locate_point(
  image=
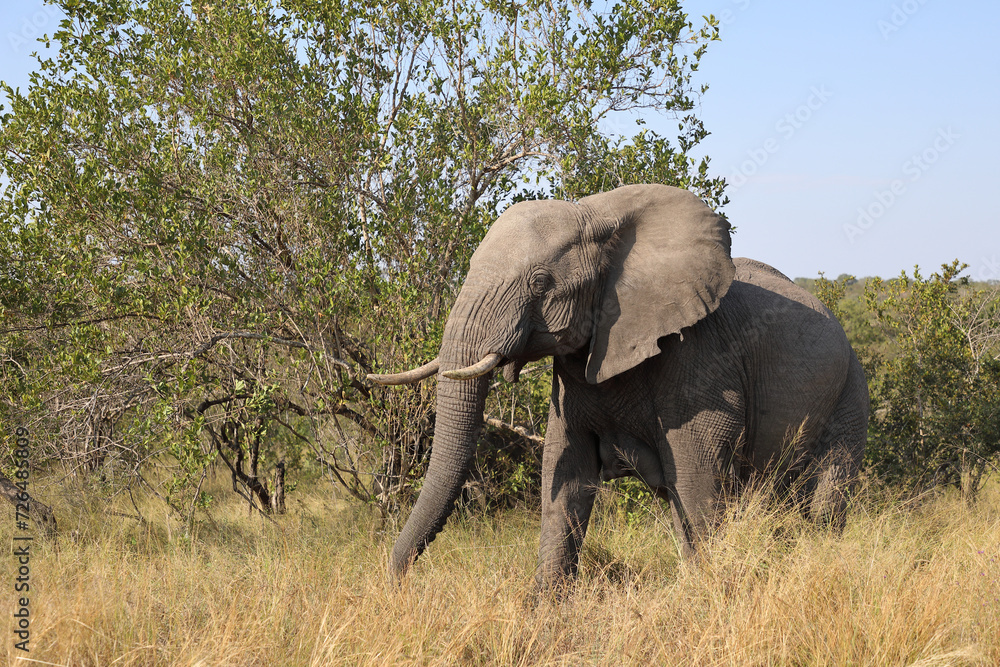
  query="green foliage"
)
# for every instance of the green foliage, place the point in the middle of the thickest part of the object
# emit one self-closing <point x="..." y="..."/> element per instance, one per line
<point x="831" y="292"/>
<point x="845" y="299"/>
<point x="633" y="499"/>
<point x="217" y="217"/>
<point x="936" y="399"/>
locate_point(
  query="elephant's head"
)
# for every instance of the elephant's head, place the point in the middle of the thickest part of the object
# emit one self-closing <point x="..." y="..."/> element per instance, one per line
<point x="605" y="278"/>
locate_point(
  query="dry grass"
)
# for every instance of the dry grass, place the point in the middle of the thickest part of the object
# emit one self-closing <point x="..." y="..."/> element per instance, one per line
<point x="904" y="585"/>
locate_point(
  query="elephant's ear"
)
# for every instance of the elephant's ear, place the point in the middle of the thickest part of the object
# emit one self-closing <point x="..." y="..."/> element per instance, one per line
<point x="665" y="263"/>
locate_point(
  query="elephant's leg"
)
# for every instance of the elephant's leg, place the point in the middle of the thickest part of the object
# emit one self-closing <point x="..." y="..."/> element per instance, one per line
<point x="839" y="452"/>
<point x="570" y="479"/>
<point x="700" y="459"/>
<point x="693" y="504"/>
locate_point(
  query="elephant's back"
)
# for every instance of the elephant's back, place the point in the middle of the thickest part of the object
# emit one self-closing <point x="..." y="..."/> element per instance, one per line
<point x="788" y="323"/>
<point x="750" y="270"/>
<point x="798" y="354"/>
<point x="767" y="277"/>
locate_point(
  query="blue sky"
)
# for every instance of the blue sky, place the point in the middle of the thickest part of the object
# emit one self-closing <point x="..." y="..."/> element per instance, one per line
<point x="889" y="157"/>
<point x="858" y="136"/>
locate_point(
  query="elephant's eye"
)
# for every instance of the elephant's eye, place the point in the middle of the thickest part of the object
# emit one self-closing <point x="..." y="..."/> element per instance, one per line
<point x="539" y="283"/>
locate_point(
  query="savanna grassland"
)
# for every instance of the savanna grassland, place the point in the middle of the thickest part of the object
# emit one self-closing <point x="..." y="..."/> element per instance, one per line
<point x="915" y="583"/>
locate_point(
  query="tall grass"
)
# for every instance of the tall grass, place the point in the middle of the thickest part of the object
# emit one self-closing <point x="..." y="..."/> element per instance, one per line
<point x="915" y="584"/>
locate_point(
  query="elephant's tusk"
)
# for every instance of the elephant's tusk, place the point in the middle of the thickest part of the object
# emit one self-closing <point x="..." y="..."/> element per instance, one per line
<point x="488" y="363"/>
<point x="408" y="377"/>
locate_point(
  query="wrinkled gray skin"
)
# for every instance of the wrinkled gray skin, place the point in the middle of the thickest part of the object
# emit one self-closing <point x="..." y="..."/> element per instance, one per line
<point x="672" y="363"/>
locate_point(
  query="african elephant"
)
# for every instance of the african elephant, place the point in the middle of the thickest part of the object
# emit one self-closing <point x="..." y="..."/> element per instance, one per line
<point x="673" y="363"/>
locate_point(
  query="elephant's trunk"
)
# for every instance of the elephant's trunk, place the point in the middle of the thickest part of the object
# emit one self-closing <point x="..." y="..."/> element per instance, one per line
<point x="459" y="418"/>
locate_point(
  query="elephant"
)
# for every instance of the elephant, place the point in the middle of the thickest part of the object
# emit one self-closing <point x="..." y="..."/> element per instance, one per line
<point x="672" y="363"/>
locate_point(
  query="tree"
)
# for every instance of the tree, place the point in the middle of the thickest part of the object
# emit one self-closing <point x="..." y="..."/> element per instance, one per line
<point x="936" y="399"/>
<point x="219" y="216"/>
